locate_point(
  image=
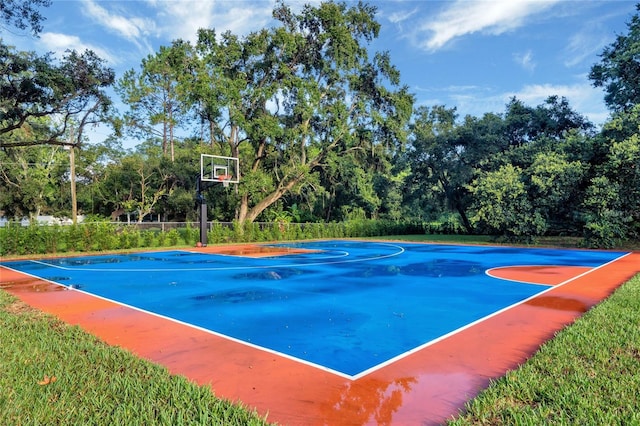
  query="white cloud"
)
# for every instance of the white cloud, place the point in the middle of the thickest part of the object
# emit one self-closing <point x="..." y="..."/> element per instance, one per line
<point x="476" y="100"/>
<point x="584" y="45"/>
<point x="144" y="23"/>
<point x="450" y="89"/>
<point x="398" y="17"/>
<point x="57" y="42"/>
<point x="535" y="94"/>
<point x="182" y="19"/>
<point x="525" y="60"/>
<point x="464" y="17"/>
<point x="132" y="29"/>
<point x="583" y="98"/>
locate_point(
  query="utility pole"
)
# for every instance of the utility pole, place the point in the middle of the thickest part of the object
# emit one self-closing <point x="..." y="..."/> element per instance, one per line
<point x="72" y="167"/>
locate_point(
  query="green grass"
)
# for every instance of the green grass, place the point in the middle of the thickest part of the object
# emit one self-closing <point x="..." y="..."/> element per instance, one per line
<point x="439" y="238"/>
<point x="589" y="374"/>
<point x="564" y="242"/>
<point x="94" y="384"/>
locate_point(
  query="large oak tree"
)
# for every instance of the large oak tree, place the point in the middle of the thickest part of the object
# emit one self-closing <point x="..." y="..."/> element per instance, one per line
<point x="288" y="98"/>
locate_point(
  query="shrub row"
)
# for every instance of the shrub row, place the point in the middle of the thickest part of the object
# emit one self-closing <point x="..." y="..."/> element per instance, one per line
<point x="102" y="236"/>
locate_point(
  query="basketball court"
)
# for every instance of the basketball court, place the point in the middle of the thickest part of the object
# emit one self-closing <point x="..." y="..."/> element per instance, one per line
<point x="329" y="332"/>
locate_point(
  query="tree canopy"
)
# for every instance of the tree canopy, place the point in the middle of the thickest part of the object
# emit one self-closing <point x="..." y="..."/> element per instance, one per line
<point x="34" y="87"/>
<point x="619" y="67"/>
<point x="23" y="14"/>
<point x="285" y="100"/>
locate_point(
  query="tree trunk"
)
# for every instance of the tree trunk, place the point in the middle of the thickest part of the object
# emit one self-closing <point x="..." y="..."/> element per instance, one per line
<point x="244" y="208"/>
<point x="171" y="142"/>
<point x="164" y="138"/>
<point x="249" y="215"/>
<point x="212" y="133"/>
<point x="465" y="219"/>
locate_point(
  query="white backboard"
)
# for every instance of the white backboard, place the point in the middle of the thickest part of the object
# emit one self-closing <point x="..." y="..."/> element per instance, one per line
<point x="217" y="168"/>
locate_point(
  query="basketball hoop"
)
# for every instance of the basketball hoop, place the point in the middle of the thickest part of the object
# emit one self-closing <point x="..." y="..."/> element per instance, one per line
<point x="224" y="179"/>
<point x="216" y="168"/>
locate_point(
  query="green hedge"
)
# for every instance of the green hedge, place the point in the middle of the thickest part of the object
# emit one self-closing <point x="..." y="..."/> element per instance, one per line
<point x="102" y="236"/>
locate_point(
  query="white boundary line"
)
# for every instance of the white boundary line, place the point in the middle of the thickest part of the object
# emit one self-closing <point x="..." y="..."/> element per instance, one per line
<point x="478" y="321"/>
<point x="197" y="327"/>
<point x="227" y="268"/>
<point x="488" y="272"/>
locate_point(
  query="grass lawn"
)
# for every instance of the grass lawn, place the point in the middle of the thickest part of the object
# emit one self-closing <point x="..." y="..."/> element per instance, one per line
<point x="589" y="374"/>
<point x="53" y="373"/>
<point x="561" y="242"/>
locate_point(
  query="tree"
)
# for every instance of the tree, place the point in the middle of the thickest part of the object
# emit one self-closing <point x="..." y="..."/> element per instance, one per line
<point x="135" y="185"/>
<point x="155" y="104"/>
<point x="351" y="188"/>
<point x="435" y="157"/>
<point x="612" y="205"/>
<point x="285" y="99"/>
<point x="619" y="67"/>
<point x="502" y="206"/>
<point x="552" y="119"/>
<point x="33" y="87"/>
<point x="445" y="155"/>
<point x="30" y="180"/>
<point x="605" y="222"/>
<point x="43" y="103"/>
<point x="23" y="13"/>
<point x="556" y="119"/>
<point x="92" y="162"/>
<point x="554" y="188"/>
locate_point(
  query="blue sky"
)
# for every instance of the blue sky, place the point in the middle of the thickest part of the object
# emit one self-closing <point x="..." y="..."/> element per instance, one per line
<point x="470" y="54"/>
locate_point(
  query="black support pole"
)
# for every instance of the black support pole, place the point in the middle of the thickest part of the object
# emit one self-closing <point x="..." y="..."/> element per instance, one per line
<point x="203" y="213"/>
<point x="203" y="223"/>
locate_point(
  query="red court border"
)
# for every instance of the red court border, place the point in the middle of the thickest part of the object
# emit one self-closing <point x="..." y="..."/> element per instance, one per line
<point x="426" y="387"/>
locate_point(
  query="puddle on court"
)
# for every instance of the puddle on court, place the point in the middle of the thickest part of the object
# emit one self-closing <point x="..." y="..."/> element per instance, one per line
<point x="559" y="303"/>
<point x="30" y="285"/>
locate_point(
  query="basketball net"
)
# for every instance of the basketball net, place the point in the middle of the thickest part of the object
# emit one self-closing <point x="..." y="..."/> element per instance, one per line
<point x="225" y="180"/>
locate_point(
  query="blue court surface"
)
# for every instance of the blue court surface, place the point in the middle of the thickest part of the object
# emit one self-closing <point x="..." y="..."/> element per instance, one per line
<point x="348" y="307"/>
